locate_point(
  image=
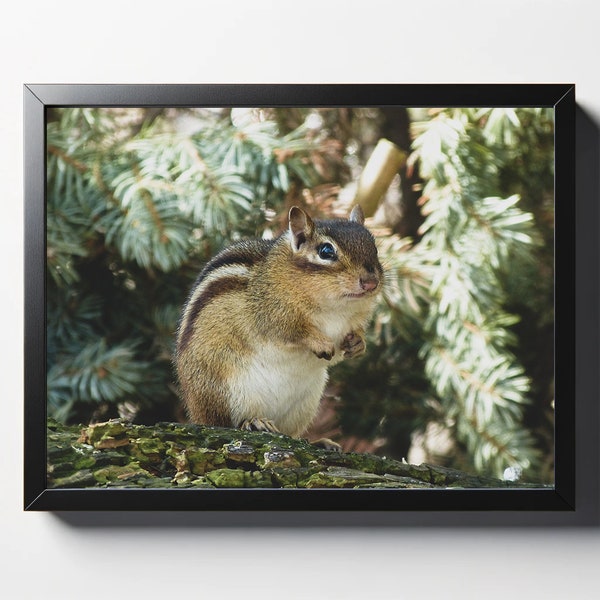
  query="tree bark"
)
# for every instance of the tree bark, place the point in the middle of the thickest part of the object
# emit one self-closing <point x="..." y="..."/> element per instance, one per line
<point x="119" y="454"/>
<point x="395" y="127"/>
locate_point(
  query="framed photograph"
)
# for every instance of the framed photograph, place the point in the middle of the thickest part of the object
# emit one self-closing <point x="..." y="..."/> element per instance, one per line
<point x="300" y="297"/>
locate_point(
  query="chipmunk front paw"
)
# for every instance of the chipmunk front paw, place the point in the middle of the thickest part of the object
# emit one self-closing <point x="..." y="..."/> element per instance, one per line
<point x="325" y="351"/>
<point x="326" y="354"/>
<point x="353" y="345"/>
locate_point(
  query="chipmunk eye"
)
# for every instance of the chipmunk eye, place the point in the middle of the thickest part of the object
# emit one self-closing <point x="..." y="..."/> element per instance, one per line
<point x="326" y="251"/>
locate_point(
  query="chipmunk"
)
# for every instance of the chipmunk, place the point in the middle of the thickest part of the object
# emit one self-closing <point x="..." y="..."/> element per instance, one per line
<point x="266" y="318"/>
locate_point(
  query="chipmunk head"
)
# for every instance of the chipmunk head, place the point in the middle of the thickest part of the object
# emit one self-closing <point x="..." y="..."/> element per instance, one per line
<point x="343" y="250"/>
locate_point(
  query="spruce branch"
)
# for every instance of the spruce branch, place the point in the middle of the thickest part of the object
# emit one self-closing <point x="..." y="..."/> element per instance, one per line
<point x="471" y="236"/>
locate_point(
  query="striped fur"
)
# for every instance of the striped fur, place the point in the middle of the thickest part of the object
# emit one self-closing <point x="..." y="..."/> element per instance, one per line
<point x="227" y="279"/>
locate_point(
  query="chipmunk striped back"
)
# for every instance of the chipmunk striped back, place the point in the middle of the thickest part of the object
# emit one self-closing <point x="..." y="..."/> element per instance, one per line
<point x="228" y="271"/>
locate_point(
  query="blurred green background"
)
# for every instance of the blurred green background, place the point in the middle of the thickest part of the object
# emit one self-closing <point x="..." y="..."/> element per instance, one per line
<point x="460" y="363"/>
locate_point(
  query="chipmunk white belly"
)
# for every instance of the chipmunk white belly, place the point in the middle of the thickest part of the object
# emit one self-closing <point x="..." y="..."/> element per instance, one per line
<point x="283" y="384"/>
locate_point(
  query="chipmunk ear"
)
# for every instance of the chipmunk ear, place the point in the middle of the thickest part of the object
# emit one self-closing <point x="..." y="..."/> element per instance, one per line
<point x="357" y="215"/>
<point x="301" y="227"/>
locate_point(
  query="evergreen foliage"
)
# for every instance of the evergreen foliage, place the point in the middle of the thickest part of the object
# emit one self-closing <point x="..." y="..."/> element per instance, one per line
<point x="138" y="200"/>
<point x="134" y="209"/>
<point x="444" y="328"/>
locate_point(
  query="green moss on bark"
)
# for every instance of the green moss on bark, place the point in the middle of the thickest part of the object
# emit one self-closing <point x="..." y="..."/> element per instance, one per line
<point x="120" y="454"/>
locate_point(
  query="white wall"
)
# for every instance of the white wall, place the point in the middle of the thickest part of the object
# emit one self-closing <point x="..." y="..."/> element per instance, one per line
<point x="272" y="41"/>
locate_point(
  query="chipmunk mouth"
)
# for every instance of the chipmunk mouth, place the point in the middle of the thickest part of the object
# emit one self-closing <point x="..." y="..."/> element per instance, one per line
<point x="362" y="294"/>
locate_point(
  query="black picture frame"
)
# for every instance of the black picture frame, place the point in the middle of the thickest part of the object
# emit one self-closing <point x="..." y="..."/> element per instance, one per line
<point x="39" y="97"/>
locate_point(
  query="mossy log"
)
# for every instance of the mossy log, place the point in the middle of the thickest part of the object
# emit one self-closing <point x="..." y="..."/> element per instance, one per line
<point x="120" y="454"/>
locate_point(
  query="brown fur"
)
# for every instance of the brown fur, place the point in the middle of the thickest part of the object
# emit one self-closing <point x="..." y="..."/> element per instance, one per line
<point x="257" y="296"/>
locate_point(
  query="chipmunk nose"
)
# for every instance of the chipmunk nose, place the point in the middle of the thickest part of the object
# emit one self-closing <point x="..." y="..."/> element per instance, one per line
<point x="368" y="283"/>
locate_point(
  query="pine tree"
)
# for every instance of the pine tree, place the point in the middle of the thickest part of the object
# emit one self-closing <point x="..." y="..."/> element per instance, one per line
<point x="444" y="332"/>
<point x="139" y="199"/>
<point x="136" y="205"/>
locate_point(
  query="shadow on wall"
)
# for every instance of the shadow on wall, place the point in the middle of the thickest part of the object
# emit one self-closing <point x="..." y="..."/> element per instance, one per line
<point x="587" y="409"/>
